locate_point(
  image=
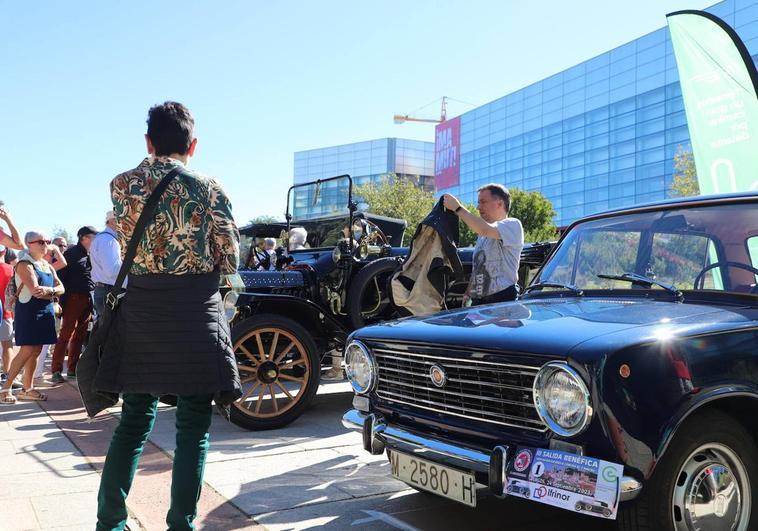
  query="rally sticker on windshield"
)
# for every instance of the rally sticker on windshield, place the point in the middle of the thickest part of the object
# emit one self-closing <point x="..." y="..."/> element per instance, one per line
<point x="569" y="481"/>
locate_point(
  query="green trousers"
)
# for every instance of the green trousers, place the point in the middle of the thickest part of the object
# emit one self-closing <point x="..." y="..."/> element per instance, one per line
<point x="193" y="418"/>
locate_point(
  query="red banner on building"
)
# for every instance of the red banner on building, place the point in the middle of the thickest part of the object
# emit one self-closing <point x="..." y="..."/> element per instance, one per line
<point x="447" y="154"/>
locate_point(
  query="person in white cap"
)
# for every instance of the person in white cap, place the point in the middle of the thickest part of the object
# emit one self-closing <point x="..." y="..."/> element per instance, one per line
<point x="105" y="256"/>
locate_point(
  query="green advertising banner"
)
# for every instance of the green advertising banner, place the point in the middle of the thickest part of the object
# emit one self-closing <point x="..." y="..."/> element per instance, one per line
<point x="719" y="80"/>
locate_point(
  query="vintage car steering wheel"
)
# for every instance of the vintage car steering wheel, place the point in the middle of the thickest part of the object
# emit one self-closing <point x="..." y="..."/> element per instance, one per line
<point x="376" y="233"/>
<point x="700" y="278"/>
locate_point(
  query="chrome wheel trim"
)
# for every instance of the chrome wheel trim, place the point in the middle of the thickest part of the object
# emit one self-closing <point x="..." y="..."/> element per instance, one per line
<point x="712" y="491"/>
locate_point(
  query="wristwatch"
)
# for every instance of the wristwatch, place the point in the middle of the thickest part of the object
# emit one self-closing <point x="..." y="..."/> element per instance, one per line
<point x="458" y="209"/>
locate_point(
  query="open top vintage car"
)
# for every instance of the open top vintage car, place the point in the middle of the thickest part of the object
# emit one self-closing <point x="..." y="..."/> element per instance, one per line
<point x="626" y="377"/>
<point x="290" y="323"/>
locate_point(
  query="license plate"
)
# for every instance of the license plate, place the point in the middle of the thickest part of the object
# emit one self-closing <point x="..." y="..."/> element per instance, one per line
<point x="441" y="480"/>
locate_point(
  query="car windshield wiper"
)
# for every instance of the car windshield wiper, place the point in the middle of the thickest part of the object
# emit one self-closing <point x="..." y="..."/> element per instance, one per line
<point x="573" y="289"/>
<point x="634" y="278"/>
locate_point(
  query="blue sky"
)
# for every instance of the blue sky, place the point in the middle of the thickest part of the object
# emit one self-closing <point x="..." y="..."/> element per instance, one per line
<point x="263" y="79"/>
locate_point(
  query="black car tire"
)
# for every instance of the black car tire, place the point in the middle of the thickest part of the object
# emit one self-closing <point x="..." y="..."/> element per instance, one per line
<point x="305" y="357"/>
<point x="653" y="508"/>
<point x="361" y="281"/>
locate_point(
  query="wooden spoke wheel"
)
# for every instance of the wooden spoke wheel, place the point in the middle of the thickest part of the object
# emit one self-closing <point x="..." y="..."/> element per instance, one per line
<point x="279" y="371"/>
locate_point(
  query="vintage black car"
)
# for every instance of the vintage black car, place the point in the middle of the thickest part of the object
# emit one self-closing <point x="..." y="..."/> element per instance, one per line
<point x="626" y="377"/>
<point x="291" y="322"/>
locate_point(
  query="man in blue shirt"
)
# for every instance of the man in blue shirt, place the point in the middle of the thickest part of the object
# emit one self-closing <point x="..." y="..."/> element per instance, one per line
<point x="105" y="257"/>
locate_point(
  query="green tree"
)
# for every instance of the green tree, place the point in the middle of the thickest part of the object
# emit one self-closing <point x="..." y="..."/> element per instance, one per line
<point x="536" y="213"/>
<point x="397" y="198"/>
<point x="685" y="176"/>
<point x="467" y="237"/>
<point x="60" y="232"/>
<point x="265" y="219"/>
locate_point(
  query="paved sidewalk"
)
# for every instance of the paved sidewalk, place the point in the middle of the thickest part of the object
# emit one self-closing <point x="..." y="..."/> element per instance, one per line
<point x="51" y="457"/>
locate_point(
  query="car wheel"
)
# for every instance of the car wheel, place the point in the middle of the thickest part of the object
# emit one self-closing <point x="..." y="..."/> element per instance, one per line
<point x="702" y="482"/>
<point x="367" y="299"/>
<point x="279" y="371"/>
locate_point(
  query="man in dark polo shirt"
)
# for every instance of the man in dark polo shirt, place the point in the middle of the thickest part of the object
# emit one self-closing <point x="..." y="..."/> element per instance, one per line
<point x="77" y="304"/>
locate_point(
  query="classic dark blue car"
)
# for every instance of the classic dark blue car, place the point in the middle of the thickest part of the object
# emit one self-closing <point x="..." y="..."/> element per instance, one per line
<point x="632" y="356"/>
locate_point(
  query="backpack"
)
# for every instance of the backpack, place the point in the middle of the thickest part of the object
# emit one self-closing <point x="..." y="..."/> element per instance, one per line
<point x="11" y="292"/>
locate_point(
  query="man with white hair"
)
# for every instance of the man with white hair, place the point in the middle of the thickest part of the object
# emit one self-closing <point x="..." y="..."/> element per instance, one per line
<point x="105" y="257"/>
<point x="298" y="235"/>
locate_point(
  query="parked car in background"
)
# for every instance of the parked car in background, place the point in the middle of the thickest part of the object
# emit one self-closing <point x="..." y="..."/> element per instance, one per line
<point x="289" y="325"/>
<point x="622" y="384"/>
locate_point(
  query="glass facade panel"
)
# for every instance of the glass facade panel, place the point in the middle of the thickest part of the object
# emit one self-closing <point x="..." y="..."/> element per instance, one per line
<point x="365" y="162"/>
<point x="599" y="135"/>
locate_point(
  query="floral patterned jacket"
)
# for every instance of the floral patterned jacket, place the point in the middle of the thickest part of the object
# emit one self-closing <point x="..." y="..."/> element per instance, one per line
<point x="193" y="231"/>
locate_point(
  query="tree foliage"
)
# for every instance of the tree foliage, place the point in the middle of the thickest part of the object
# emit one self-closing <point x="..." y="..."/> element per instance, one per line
<point x="685" y="176"/>
<point x="397" y="198"/>
<point x="403" y="199"/>
<point x="262" y="220"/>
<point x="536" y="212"/>
<point x="466" y="236"/>
<point x="60" y="232"/>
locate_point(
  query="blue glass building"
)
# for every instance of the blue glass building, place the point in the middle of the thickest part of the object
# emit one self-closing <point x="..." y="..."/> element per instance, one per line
<point x="599" y="135"/>
<point x="364" y="162"/>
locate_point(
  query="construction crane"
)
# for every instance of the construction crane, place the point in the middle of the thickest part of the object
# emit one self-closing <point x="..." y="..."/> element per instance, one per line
<point x="401" y="118"/>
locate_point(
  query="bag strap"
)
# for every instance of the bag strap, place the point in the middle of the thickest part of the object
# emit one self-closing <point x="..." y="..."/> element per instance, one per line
<point x="112" y="298"/>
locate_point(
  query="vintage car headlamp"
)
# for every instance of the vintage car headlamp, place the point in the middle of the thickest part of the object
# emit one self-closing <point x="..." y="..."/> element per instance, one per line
<point x="360" y="367"/>
<point x="363" y="251"/>
<point x="358" y="229"/>
<point x="562" y="399"/>
<point x="230" y="305"/>
<point x="336" y="254"/>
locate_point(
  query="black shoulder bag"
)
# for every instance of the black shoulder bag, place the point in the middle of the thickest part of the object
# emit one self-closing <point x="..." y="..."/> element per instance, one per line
<point x="101" y="338"/>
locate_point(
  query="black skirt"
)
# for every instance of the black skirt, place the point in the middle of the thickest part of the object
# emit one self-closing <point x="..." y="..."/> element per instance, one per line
<point x="171" y="337"/>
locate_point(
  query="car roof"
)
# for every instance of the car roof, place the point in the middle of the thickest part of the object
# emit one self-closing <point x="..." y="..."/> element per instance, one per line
<point x="675" y="202"/>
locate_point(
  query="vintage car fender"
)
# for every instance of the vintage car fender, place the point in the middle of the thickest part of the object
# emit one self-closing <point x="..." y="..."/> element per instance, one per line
<point x="735" y="399"/>
<point x="688" y="374"/>
<point x="304" y="311"/>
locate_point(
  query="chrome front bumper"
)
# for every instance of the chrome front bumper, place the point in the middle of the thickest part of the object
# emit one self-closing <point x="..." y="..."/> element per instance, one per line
<point x="378" y="435"/>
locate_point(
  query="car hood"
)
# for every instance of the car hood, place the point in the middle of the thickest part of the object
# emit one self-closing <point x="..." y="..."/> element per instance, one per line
<point x="555" y="326"/>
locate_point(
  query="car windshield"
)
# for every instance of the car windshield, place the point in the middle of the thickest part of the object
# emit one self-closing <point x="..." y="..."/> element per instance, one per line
<point x="320" y="199"/>
<point x="712" y="247"/>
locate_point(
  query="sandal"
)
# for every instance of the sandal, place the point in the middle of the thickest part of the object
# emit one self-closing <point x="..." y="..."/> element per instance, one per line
<point x="6" y="397"/>
<point x="32" y="394"/>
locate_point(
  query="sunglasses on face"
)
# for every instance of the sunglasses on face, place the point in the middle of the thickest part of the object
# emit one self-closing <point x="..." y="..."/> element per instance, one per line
<point x="42" y="242"/>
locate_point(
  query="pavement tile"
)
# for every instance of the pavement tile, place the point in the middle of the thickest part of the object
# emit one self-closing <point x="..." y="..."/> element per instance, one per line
<point x="76" y="509"/>
<point x="62" y="482"/>
<point x="16" y="515"/>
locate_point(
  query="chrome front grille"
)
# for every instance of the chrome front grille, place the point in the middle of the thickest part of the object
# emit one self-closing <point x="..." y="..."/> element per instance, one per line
<point x="494" y="392"/>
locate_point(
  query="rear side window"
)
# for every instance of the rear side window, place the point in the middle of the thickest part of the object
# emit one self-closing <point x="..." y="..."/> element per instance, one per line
<point x="752" y="249"/>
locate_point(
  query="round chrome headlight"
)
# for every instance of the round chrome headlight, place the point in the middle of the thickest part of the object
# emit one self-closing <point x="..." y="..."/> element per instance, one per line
<point x="562" y="399"/>
<point x="230" y="305"/>
<point x="358" y="229"/>
<point x="336" y="254"/>
<point x="360" y="367"/>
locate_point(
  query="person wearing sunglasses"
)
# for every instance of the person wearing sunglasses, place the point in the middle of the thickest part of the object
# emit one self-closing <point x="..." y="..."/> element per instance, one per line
<point x="37" y="285"/>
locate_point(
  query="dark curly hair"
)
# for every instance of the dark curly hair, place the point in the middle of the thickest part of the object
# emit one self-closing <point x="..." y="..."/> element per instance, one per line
<point x="169" y="126"/>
